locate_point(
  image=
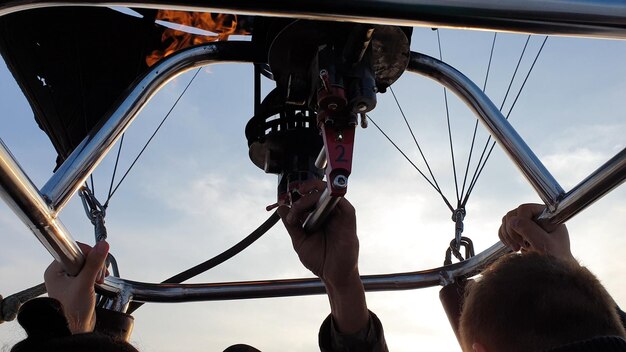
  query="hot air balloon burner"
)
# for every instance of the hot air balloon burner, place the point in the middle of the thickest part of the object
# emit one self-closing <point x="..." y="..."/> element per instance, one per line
<point x="326" y="74"/>
<point x="285" y="140"/>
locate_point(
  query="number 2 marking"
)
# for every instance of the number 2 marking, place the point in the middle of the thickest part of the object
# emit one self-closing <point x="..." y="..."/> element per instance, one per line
<point x="342" y="153"/>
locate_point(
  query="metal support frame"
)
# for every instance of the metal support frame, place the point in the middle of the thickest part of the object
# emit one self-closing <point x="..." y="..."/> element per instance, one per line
<point x="149" y="292"/>
<point x="39" y="210"/>
<point x="563" y="206"/>
<point x="88" y="154"/>
<point x="498" y="126"/>
<point x="24" y="198"/>
<point x="590" y="18"/>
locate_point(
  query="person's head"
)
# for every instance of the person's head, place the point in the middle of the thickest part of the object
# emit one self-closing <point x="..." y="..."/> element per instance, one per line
<point x="535" y="302"/>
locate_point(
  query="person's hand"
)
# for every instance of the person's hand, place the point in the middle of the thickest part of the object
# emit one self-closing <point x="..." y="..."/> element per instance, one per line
<point x="331" y="253"/>
<point x="520" y="231"/>
<point x="77" y="294"/>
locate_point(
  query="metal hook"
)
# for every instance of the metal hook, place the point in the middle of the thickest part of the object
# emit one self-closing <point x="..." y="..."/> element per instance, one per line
<point x="95" y="212"/>
<point x="458" y="216"/>
<point x="459" y="241"/>
<point x="465" y="243"/>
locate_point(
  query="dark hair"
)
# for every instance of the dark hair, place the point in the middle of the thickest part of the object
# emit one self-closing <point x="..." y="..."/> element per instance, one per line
<point x="535" y="302"/>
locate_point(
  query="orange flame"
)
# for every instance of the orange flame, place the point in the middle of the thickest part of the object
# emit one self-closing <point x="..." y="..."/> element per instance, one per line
<point x="222" y="25"/>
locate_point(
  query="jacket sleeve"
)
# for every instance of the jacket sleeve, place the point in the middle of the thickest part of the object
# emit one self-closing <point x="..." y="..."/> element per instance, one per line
<point x="48" y="330"/>
<point x="115" y="325"/>
<point x="370" y="339"/>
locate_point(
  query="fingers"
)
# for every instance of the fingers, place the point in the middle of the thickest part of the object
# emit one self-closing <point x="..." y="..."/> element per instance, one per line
<point x="283" y="211"/>
<point x="509" y="238"/>
<point x="53" y="271"/>
<point x="530" y="232"/>
<point x="294" y="217"/>
<point x="530" y="211"/>
<point x="311" y="185"/>
<point x="311" y="192"/>
<point x="508" y="233"/>
<point x="94" y="263"/>
<point x="55" y="268"/>
<point x="304" y="205"/>
<point x="345" y="207"/>
<point x="503" y="234"/>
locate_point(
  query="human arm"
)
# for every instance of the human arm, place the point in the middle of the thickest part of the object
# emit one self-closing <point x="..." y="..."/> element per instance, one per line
<point x="77" y="294"/>
<point x="331" y="253"/>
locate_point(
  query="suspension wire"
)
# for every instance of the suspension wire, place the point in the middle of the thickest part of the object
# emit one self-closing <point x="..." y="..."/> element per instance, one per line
<point x="506" y="95"/>
<point x="413" y="164"/>
<point x="508" y="89"/>
<point x="406" y="121"/>
<point x="493" y="144"/>
<point x="140" y="61"/>
<point x="486" y="146"/>
<point x="493" y="45"/>
<point x="152" y="136"/>
<point x="117" y="160"/>
<point x="445" y="98"/>
<point x="471" y="152"/>
<point x="527" y="75"/>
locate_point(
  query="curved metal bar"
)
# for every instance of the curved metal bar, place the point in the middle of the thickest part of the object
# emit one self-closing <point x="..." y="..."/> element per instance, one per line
<point x="87" y="155"/>
<point x="606" y="178"/>
<point x="561" y="206"/>
<point x="24" y="198"/>
<point x="148" y="292"/>
<point x="590" y="18"/>
<point x="500" y="129"/>
<point x="594" y="187"/>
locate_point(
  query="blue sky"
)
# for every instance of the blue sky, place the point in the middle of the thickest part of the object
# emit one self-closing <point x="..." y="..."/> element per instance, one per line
<point x="195" y="192"/>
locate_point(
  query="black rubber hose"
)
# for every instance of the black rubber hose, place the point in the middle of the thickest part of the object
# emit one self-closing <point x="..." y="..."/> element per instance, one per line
<point x="218" y="259"/>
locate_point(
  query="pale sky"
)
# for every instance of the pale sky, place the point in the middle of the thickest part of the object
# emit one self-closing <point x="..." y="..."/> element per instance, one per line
<point x="194" y="193"/>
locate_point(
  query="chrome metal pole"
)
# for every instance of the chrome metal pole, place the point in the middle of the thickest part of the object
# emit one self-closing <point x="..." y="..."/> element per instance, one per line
<point x="149" y="292"/>
<point x="500" y="129"/>
<point x="608" y="176"/>
<point x="88" y="154"/>
<point x="589" y="18"/>
<point x="24" y="198"/>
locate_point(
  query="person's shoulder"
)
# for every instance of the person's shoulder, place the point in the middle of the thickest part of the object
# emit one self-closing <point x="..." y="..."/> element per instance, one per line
<point x="43" y="317"/>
